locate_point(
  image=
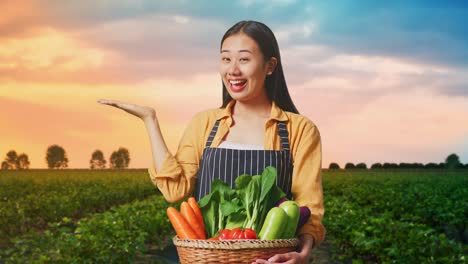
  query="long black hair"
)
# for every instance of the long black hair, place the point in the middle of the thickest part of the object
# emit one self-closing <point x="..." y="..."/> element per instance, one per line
<point x="276" y="88"/>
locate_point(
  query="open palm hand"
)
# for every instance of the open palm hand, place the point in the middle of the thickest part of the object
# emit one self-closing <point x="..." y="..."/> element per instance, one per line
<point x="142" y="112"/>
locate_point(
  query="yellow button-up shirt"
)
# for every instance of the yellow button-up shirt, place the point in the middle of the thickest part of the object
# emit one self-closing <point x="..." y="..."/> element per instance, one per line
<point x="177" y="176"/>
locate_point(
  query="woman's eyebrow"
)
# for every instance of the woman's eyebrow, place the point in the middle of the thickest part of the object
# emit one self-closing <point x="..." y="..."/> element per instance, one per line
<point x="244" y="50"/>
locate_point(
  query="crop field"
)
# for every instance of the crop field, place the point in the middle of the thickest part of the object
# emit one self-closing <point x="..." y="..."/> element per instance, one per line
<point x="385" y="216"/>
<point x="30" y="200"/>
<point x="371" y="216"/>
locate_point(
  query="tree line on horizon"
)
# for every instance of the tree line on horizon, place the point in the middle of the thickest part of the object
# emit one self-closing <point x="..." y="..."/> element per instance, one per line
<point x="56" y="158"/>
<point x="451" y="162"/>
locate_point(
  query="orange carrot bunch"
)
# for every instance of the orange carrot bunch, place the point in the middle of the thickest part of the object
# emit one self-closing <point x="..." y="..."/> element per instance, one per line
<point x="188" y="224"/>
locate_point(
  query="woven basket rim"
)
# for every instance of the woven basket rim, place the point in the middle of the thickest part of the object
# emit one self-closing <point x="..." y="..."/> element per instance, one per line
<point x="234" y="244"/>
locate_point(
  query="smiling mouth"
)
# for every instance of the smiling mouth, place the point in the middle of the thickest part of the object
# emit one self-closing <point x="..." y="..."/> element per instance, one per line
<point x="237" y="85"/>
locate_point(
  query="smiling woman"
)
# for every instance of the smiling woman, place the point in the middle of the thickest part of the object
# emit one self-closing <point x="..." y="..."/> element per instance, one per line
<point x="243" y="68"/>
<point x="257" y="110"/>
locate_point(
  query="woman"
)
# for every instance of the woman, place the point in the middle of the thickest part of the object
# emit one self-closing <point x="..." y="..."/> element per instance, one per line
<point x="256" y="126"/>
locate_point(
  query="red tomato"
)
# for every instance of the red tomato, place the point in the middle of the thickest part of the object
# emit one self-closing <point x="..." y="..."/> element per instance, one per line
<point x="225" y="234"/>
<point x="249" y="233"/>
<point x="237" y="233"/>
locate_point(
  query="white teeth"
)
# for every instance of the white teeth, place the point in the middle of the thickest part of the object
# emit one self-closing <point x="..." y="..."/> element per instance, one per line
<point x="236" y="81"/>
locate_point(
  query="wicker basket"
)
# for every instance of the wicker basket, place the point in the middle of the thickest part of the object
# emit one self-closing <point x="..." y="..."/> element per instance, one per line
<point x="231" y="251"/>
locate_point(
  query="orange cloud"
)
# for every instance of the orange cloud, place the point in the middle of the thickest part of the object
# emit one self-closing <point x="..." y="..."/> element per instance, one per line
<point x="15" y="16"/>
<point x="50" y="53"/>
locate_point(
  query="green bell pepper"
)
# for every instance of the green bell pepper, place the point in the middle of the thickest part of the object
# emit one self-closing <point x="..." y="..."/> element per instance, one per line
<point x="291" y="209"/>
<point x="274" y="224"/>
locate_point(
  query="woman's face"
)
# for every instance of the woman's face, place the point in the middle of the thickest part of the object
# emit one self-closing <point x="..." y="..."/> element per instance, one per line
<point x="243" y="69"/>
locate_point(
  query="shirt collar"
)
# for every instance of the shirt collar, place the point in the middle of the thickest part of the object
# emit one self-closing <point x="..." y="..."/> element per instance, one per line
<point x="276" y="112"/>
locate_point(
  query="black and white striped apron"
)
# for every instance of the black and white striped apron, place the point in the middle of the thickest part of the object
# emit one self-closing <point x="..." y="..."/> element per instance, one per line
<point x="227" y="164"/>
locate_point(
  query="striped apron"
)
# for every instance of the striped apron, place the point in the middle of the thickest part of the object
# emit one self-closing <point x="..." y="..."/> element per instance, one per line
<point x="227" y="164"/>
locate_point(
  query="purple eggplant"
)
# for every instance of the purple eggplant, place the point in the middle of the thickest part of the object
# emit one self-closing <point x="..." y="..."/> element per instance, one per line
<point x="304" y="214"/>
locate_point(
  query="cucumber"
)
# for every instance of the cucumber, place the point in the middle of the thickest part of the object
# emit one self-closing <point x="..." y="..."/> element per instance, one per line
<point x="274" y="224"/>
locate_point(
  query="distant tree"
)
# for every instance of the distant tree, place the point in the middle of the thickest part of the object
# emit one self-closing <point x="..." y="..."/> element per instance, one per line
<point x="349" y="165"/>
<point x="452" y="161"/>
<point x="376" y="166"/>
<point x="414" y="165"/>
<point x="404" y="165"/>
<point x="334" y="166"/>
<point x="11" y="161"/>
<point x="97" y="160"/>
<point x="4" y="165"/>
<point x="23" y="162"/>
<point x="431" y="165"/>
<point x="56" y="157"/>
<point x="387" y="165"/>
<point x="361" y="166"/>
<point x="119" y="159"/>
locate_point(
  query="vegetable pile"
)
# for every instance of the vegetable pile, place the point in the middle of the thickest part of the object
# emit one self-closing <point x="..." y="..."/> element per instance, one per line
<point x="245" y="206"/>
<point x="255" y="206"/>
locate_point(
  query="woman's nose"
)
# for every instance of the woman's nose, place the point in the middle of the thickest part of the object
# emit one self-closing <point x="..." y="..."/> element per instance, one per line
<point x="234" y="69"/>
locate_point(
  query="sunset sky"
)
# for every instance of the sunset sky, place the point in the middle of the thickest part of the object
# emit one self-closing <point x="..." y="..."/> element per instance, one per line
<point x="383" y="81"/>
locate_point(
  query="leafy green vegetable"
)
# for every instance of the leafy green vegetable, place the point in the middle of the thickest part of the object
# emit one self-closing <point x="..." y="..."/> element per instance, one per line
<point x="245" y="206"/>
<point x="258" y="195"/>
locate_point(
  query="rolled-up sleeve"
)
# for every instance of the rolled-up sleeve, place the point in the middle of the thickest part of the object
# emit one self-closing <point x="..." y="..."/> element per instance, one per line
<point x="177" y="176"/>
<point x="307" y="179"/>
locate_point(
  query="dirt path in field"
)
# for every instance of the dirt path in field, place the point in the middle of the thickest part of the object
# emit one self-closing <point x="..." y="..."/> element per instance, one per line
<point x="323" y="254"/>
<point x="320" y="255"/>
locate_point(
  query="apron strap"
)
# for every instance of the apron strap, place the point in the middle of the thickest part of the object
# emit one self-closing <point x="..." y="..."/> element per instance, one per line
<point x="212" y="134"/>
<point x="283" y="134"/>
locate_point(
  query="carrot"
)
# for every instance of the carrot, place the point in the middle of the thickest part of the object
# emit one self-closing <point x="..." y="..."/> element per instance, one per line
<point x="180" y="225"/>
<point x="192" y="219"/>
<point x="193" y="203"/>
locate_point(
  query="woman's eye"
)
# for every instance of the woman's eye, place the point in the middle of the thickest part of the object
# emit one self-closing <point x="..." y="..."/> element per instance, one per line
<point x="225" y="59"/>
<point x="244" y="59"/>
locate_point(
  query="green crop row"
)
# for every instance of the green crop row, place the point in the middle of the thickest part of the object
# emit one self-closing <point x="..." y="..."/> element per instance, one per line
<point x="372" y="216"/>
<point x="409" y="217"/>
<point x="29" y="200"/>
<point x="116" y="236"/>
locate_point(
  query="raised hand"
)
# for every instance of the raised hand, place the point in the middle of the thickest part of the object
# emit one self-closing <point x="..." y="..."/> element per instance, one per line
<point x="143" y="112"/>
<point x="148" y="115"/>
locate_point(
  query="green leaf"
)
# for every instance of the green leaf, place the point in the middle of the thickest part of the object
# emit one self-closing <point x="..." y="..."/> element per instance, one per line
<point x="205" y="200"/>
<point x="220" y="186"/>
<point x="268" y="179"/>
<point x="242" y="181"/>
<point x="210" y="212"/>
<point x="235" y="220"/>
<point x="229" y="207"/>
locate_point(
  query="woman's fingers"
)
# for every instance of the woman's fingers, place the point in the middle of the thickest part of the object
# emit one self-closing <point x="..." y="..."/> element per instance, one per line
<point x="118" y="104"/>
<point x="112" y="103"/>
<point x="103" y="101"/>
<point x="286" y="258"/>
<point x="261" y="261"/>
